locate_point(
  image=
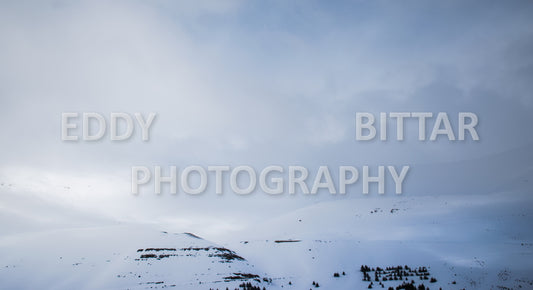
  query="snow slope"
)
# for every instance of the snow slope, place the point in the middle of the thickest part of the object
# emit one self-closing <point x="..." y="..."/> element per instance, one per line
<point x="118" y="257"/>
<point x="468" y="239"/>
<point x="478" y="242"/>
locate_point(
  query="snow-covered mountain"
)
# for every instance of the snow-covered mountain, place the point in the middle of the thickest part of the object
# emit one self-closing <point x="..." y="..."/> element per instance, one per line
<point x="473" y="242"/>
<point x="449" y="241"/>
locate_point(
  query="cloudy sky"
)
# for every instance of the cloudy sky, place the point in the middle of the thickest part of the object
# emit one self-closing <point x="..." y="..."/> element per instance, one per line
<point x="249" y="82"/>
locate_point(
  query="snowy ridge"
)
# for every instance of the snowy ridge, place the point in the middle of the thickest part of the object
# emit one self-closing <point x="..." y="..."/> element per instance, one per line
<point x="119" y="257"/>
